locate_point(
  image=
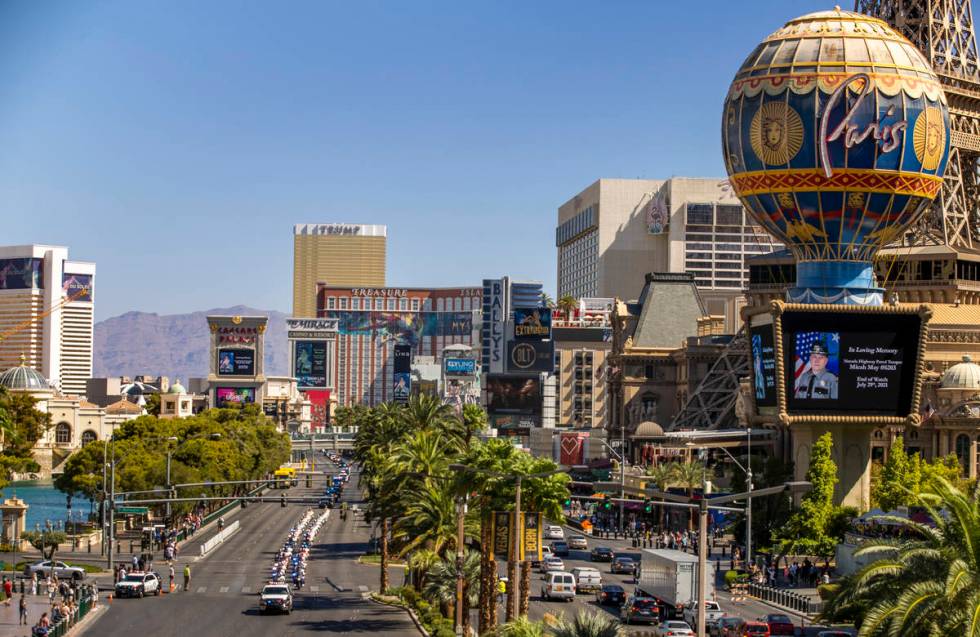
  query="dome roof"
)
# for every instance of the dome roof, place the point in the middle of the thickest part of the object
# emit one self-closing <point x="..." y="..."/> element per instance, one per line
<point x="23" y="378"/>
<point x="648" y="429"/>
<point x="965" y="375"/>
<point x="177" y="388"/>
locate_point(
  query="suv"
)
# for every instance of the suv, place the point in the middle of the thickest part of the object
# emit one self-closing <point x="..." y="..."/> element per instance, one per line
<point x="602" y="554"/>
<point x="779" y="624"/>
<point x="61" y="570"/>
<point x="138" y="584"/>
<point x="275" y="598"/>
<point x="559" y="548"/>
<point x="640" y="609"/>
<point x="559" y="585"/>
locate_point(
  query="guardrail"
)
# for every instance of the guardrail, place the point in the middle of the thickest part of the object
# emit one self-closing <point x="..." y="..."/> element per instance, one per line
<point x="786" y="598"/>
<point x="66" y="623"/>
<point x="219" y="537"/>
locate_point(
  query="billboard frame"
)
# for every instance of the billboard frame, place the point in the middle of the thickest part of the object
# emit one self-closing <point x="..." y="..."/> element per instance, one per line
<point x="777" y="308"/>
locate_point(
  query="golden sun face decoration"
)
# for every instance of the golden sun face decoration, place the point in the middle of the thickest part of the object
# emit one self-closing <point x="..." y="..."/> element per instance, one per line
<point x="776" y="133"/>
<point x="929" y="137"/>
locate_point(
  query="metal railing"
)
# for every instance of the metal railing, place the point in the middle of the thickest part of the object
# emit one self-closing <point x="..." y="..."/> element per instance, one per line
<point x="786" y="598"/>
<point x="66" y="623"/>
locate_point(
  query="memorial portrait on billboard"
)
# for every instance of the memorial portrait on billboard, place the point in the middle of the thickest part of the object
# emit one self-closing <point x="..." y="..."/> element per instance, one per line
<point x="226" y="362"/>
<point x="760" y="379"/>
<point x="816" y="365"/>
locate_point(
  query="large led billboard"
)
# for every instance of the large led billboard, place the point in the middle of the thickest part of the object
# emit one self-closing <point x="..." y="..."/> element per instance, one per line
<point x="77" y="286"/>
<point x="513" y="395"/>
<point x="227" y="396"/>
<point x="834" y="362"/>
<point x="310" y="364"/>
<point x="532" y="323"/>
<point x="460" y="366"/>
<point x="21" y="274"/>
<point x="236" y="362"/>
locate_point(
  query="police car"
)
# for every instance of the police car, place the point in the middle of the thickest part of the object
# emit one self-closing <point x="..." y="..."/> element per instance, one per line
<point x="275" y="598"/>
<point x="138" y="584"/>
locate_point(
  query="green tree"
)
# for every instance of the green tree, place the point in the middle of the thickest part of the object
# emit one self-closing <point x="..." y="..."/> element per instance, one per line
<point x="152" y="405"/>
<point x="22" y="425"/>
<point x="898" y="482"/>
<point x="924" y="583"/>
<point x="567" y="304"/>
<point x="770" y="513"/>
<point x="45" y="541"/>
<point x="689" y="475"/>
<point x="440" y="586"/>
<point x="807" y="530"/>
<point x="588" y="624"/>
<point x="521" y="627"/>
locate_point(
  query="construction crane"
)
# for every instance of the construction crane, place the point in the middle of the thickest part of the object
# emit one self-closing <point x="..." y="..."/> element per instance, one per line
<point x="23" y="325"/>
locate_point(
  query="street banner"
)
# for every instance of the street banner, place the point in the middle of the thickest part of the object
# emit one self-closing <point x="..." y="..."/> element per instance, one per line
<point x="501" y="534"/>
<point x="531" y="536"/>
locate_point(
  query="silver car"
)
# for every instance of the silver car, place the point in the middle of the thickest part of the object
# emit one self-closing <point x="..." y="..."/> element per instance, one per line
<point x="578" y="542"/>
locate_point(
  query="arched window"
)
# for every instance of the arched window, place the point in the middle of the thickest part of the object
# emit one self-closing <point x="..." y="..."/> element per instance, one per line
<point x="89" y="436"/>
<point x="963" y="451"/>
<point x="62" y="433"/>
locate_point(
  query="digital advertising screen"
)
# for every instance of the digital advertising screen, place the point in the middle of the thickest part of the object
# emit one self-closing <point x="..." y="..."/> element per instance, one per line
<point x="531" y="356"/>
<point x="402" y="387"/>
<point x="227" y="396"/>
<point x="21" y="274"/>
<point x="514" y="395"/>
<point x="763" y="365"/>
<point x="861" y="363"/>
<point x="236" y="362"/>
<point x="310" y="365"/>
<point x="460" y="366"/>
<point x="77" y="286"/>
<point x="402" y="358"/>
<point x="534" y="323"/>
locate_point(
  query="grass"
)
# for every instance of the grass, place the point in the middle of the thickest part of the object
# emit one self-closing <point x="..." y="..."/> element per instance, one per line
<point x="375" y="560"/>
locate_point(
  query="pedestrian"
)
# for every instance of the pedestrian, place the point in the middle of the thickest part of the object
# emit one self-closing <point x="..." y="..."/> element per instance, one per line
<point x="23" y="610"/>
<point x="8" y="590"/>
<point x="187" y="578"/>
<point x="173" y="576"/>
<point x="501" y="590"/>
<point x="33" y="582"/>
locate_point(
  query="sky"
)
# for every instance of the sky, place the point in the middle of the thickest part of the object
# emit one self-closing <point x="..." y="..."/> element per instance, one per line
<point x="176" y="143"/>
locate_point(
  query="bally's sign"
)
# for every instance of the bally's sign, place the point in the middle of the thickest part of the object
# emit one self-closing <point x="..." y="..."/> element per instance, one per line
<point x="311" y="329"/>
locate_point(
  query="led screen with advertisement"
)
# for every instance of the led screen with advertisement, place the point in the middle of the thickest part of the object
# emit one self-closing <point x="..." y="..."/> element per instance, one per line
<point x="402" y="387"/>
<point x="513" y="395"/>
<point x="319" y="408"/>
<point x="460" y="366"/>
<point x="530" y="356"/>
<point x="763" y="365"/>
<point x="228" y="396"/>
<point x="850" y="362"/>
<point x="532" y="323"/>
<point x="310" y="364"/>
<point x="405" y="327"/>
<point x="21" y="274"/>
<point x="236" y="362"/>
<point x="402" y="358"/>
<point x="77" y="286"/>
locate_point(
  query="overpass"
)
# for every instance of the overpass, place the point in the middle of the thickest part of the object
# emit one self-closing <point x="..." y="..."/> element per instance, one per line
<point x="329" y="441"/>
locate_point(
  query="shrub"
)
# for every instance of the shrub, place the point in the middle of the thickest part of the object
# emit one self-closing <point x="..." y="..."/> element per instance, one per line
<point x="827" y="591"/>
<point x="731" y="577"/>
<point x="410" y="595"/>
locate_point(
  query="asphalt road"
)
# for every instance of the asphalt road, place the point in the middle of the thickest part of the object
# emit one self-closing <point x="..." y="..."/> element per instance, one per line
<point x="750" y="609"/>
<point x="223" y="600"/>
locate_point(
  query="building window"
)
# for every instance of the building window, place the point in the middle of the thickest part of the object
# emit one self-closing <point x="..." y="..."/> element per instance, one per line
<point x="62" y="433"/>
<point x="88" y="436"/>
<point x="403" y="304"/>
<point x="700" y="213"/>
<point x="415" y="305"/>
<point x="331" y="303"/>
<point x="963" y="452"/>
<point x="343" y="302"/>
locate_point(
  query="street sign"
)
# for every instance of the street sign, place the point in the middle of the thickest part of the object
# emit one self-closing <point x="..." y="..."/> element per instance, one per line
<point x="133" y="510"/>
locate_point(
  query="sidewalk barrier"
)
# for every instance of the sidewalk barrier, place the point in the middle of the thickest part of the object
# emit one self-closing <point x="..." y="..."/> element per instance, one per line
<point x="786" y="598"/>
<point x="219" y="537"/>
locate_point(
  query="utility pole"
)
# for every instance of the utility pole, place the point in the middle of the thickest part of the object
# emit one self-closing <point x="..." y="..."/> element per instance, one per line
<point x="702" y="555"/>
<point x="460" y="540"/>
<point x="622" y="477"/>
<point x="748" y="506"/>
<point x="513" y="594"/>
<point x="112" y="504"/>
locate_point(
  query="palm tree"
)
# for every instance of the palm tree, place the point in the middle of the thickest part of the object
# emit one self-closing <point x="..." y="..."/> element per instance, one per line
<point x="429" y="519"/>
<point x="473" y="420"/>
<point x="424" y="412"/>
<point x="546" y="300"/>
<point x="521" y="627"/>
<point x="566" y="304"/>
<point x="587" y="624"/>
<point x="925" y="584"/>
<point x="420" y="563"/>
<point x="441" y="585"/>
<point x="662" y="475"/>
<point x="689" y="475"/>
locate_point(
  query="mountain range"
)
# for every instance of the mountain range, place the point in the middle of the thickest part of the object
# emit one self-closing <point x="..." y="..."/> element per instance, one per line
<point x="175" y="345"/>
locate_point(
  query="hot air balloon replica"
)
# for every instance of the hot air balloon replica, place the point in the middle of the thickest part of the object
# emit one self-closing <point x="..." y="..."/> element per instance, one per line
<point x="836" y="136"/>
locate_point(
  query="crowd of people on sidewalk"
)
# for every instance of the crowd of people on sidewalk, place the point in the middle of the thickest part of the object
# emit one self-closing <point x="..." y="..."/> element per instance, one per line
<point x="64" y="599"/>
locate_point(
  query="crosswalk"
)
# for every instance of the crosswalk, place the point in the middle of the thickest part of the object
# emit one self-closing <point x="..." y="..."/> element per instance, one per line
<point x="251" y="590"/>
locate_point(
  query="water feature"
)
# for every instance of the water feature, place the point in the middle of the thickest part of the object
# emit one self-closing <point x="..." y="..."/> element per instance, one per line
<point x="46" y="503"/>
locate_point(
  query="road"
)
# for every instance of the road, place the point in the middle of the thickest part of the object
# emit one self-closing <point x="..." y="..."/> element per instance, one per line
<point x="751" y="609"/>
<point x="223" y="600"/>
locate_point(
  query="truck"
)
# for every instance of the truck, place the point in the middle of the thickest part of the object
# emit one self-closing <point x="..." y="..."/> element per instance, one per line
<point x="672" y="577"/>
<point x="712" y="613"/>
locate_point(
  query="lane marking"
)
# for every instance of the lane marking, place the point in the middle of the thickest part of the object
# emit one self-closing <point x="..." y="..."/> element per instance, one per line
<point x="202" y="589"/>
<point x="315" y="589"/>
<point x="246" y="589"/>
<point x="362" y="588"/>
<point x="223" y="589"/>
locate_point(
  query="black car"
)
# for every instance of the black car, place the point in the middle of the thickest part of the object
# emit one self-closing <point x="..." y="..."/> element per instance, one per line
<point x="640" y="609"/>
<point x="622" y="565"/>
<point x="610" y="595"/>
<point x="559" y="548"/>
<point x="325" y="503"/>
<point x="602" y="554"/>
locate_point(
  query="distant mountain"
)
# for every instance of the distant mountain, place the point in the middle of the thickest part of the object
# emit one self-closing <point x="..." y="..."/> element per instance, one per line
<point x="175" y="345"/>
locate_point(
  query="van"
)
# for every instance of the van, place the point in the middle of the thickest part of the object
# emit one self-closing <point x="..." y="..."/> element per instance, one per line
<point x="558" y="585"/>
<point x="587" y="579"/>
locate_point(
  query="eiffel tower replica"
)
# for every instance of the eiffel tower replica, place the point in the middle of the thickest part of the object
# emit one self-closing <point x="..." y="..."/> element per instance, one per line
<point x="943" y="31"/>
<point x="938" y="260"/>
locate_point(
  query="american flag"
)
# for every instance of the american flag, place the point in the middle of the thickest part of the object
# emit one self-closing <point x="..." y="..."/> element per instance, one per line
<point x="804" y="341"/>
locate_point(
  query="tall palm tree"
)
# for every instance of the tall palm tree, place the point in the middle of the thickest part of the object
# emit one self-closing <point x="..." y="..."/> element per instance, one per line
<point x="689" y="475"/>
<point x="925" y="584"/>
<point x="473" y="420"/>
<point x="566" y="304"/>
<point x="586" y="624"/>
<point x="441" y="585"/>
<point x="429" y="519"/>
<point x="546" y="300"/>
<point x="424" y="412"/>
<point x="662" y="475"/>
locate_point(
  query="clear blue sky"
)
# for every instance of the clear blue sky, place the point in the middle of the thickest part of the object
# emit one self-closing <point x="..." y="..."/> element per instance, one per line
<point x="176" y="143"/>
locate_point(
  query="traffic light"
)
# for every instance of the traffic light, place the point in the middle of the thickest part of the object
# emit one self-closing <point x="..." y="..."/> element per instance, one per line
<point x="648" y="507"/>
<point x="607" y="506"/>
<point x="568" y="502"/>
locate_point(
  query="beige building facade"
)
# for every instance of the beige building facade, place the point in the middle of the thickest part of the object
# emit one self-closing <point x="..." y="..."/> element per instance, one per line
<point x="337" y="254"/>
<point x="615" y="230"/>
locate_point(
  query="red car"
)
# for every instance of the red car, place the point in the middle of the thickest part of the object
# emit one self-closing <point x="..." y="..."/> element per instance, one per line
<point x="779" y="625"/>
<point x="755" y="629"/>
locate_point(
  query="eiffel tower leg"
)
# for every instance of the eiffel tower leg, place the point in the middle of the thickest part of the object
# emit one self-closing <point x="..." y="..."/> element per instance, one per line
<point x="953" y="203"/>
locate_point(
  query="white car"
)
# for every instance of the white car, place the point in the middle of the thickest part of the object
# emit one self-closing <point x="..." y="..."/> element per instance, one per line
<point x="559" y="585"/>
<point x="673" y="628"/>
<point x="554" y="532"/>
<point x="275" y="598"/>
<point x="61" y="570"/>
<point x="138" y="584"/>
<point x="550" y="564"/>
<point x="578" y="542"/>
<point x="587" y="579"/>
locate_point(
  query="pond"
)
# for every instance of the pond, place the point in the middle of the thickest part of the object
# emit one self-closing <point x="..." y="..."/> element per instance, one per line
<point x="46" y="503"/>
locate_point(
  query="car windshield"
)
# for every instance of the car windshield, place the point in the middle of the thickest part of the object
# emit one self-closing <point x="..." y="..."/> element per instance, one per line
<point x="780" y="619"/>
<point x="624" y="560"/>
<point x="676" y="625"/>
<point x="275" y="590"/>
<point x="613" y="589"/>
<point x="133" y="578"/>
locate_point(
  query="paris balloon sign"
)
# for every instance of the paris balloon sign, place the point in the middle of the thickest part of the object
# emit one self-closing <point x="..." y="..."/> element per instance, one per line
<point x="835" y="134"/>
